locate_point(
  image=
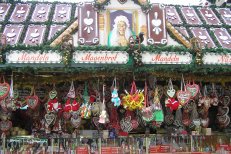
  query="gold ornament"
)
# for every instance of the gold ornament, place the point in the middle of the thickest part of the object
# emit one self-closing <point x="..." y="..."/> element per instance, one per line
<point x="178" y="35"/>
<point x="196" y="47"/>
<point x="68" y="31"/>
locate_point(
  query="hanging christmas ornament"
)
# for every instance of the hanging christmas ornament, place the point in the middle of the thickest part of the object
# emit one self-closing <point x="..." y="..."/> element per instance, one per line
<point x="53" y="104"/>
<point x="114" y="95"/>
<point x="71" y="93"/>
<point x="183" y="96"/>
<point x="126" y="124"/>
<point x="172" y="103"/>
<point x="225" y="100"/>
<point x="103" y="118"/>
<point x="10" y="100"/>
<point x="75" y="120"/>
<point x="50" y="118"/>
<point x="85" y="109"/>
<point x="205" y="122"/>
<point x="193" y="89"/>
<point x="95" y="121"/>
<point x="134" y="100"/>
<point x="32" y="101"/>
<point x="194" y="117"/>
<point x="171" y="91"/>
<point x="71" y="104"/>
<point x="148" y="110"/>
<point x="5" y="125"/>
<point x="214" y="97"/>
<point x="4" y="89"/>
<point x="96" y="106"/>
<point x="114" y="122"/>
<point x="53" y="93"/>
<point x="205" y="100"/>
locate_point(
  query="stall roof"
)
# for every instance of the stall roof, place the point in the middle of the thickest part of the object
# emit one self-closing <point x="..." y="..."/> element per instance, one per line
<point x="39" y="23"/>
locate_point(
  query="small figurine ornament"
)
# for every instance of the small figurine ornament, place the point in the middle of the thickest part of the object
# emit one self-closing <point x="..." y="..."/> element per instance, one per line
<point x="102" y="117"/>
<point x="114" y="95"/>
<point x="115" y="99"/>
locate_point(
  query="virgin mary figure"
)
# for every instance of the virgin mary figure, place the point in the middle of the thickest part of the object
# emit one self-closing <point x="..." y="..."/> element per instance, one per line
<point x="120" y="33"/>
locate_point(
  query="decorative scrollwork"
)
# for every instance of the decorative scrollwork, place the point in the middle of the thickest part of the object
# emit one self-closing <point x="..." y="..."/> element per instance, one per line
<point x="67" y="48"/>
<point x="196" y="47"/>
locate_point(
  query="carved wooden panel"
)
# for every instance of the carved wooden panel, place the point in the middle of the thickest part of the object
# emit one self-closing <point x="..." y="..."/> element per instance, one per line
<point x="172" y="16"/>
<point x="223" y="37"/>
<point x="13" y="33"/>
<point x="20" y="12"/>
<point x="54" y="29"/>
<point x="156" y="25"/>
<point x="41" y="13"/>
<point x="190" y="16"/>
<point x="88" y="24"/>
<point x="62" y="13"/>
<point x="209" y="16"/>
<point x="34" y="34"/>
<point x="4" y="8"/>
<point x="183" y="31"/>
<point x="204" y="37"/>
<point x="76" y="12"/>
<point x="225" y="14"/>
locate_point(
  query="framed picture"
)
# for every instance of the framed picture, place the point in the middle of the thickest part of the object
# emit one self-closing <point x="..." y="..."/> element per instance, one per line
<point x="121" y="24"/>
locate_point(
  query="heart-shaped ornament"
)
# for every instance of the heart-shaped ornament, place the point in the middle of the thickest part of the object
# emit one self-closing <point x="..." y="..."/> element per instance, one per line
<point x="52" y="94"/>
<point x="226" y="100"/>
<point x="148" y="114"/>
<point x="5" y="125"/>
<point x="66" y="115"/>
<point x="4" y="90"/>
<point x="183" y="97"/>
<point x="193" y="89"/>
<point x="166" y="88"/>
<point x="126" y="124"/>
<point x="205" y="122"/>
<point x="50" y="118"/>
<point x="32" y="101"/>
<point x="76" y="121"/>
<point x="222" y="119"/>
<point x="171" y="92"/>
<point x="223" y="111"/>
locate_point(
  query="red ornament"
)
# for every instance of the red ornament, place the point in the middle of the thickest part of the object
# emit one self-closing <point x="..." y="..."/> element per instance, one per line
<point x="71" y="105"/>
<point x="92" y="99"/>
<point x="172" y="103"/>
<point x="53" y="105"/>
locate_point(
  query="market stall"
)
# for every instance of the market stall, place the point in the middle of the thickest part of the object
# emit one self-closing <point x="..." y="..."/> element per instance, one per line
<point x="114" y="77"/>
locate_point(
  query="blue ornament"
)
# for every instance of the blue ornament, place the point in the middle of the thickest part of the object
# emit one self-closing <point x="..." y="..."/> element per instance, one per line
<point x="115" y="99"/>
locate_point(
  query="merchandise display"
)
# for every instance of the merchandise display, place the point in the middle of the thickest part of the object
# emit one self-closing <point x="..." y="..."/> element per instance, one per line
<point x="115" y="76"/>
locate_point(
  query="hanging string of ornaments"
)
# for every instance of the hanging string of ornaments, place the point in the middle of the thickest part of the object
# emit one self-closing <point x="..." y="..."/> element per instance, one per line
<point x="118" y="111"/>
